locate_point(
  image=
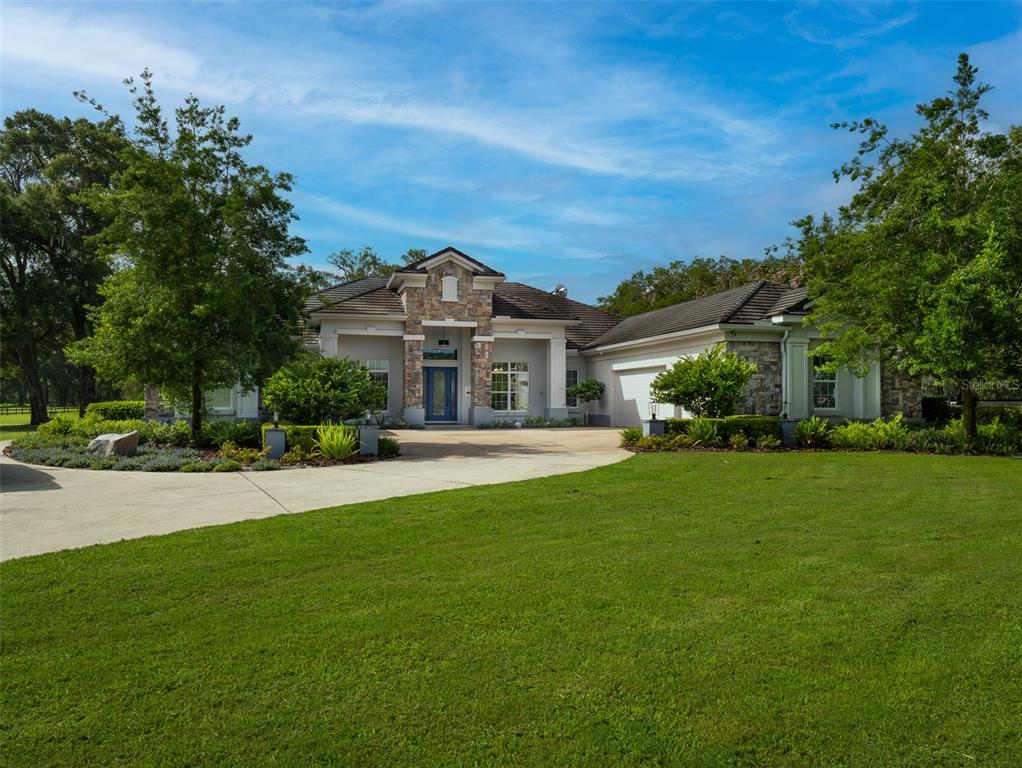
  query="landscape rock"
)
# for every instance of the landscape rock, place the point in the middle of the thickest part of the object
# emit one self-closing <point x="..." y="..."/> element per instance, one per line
<point x="113" y="444"/>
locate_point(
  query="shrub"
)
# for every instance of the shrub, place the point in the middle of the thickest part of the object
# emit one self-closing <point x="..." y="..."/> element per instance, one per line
<point x="753" y="427"/>
<point x="264" y="465"/>
<point x="164" y="462"/>
<point x="335" y="441"/>
<point x="768" y="443"/>
<point x="813" y="432"/>
<point x="587" y="391"/>
<point x="655" y="443"/>
<point x="245" y="455"/>
<point x="227" y="465"/>
<point x="245" y="434"/>
<point x="704" y="433"/>
<point x="1010" y="415"/>
<point x="389" y="448"/>
<point x="103" y="463"/>
<point x="630" y="436"/>
<point x="197" y="466"/>
<point x="314" y="390"/>
<point x="116" y="410"/>
<point x="998" y="438"/>
<point x="295" y="435"/>
<point x="297" y="455"/>
<point x="174" y="433"/>
<point x="61" y="424"/>
<point x="878" y="435"/>
<point x="710" y="384"/>
<point x="128" y="463"/>
<point x="738" y="441"/>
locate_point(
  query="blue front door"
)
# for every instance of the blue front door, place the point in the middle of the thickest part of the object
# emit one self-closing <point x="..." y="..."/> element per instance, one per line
<point x="441" y="394"/>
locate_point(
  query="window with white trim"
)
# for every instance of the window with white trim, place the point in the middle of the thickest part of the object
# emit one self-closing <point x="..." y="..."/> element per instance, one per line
<point x="379" y="371"/>
<point x="570" y="380"/>
<point x="509" y="387"/>
<point x="220" y="400"/>
<point x="449" y="288"/>
<point x="824" y="385"/>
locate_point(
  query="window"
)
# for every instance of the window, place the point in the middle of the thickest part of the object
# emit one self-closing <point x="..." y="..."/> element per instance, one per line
<point x="220" y="400"/>
<point x="449" y="288"/>
<point x="824" y="386"/>
<point x="509" y="387"/>
<point x="570" y="380"/>
<point x="379" y="371"/>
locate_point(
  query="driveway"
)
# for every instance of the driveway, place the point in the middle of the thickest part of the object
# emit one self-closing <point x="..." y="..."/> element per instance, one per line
<point x="44" y="509"/>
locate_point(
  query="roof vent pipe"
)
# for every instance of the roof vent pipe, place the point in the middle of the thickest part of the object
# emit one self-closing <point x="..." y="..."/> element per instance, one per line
<point x="561" y="290"/>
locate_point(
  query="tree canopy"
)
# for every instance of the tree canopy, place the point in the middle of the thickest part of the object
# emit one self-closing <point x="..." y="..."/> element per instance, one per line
<point x="923" y="268"/>
<point x="50" y="269"/>
<point x="206" y="296"/>
<point x="685" y="280"/>
<point x="349" y="265"/>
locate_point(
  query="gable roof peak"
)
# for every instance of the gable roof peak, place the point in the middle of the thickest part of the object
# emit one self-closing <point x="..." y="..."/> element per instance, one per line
<point x="449" y="253"/>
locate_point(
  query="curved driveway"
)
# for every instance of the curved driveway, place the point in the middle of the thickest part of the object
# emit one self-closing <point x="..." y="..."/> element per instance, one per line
<point x="44" y="509"/>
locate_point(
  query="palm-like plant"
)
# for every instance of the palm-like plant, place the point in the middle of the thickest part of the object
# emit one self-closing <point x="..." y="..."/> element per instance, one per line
<point x="335" y="441"/>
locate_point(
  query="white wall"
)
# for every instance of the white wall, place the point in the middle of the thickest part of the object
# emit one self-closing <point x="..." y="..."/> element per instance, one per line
<point x="389" y="348"/>
<point x="627" y="373"/>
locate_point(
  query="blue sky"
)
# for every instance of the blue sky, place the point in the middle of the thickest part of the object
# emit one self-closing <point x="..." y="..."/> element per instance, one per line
<point x="561" y="143"/>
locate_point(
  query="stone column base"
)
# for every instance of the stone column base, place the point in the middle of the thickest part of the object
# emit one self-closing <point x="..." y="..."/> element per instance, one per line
<point x="556" y="413"/>
<point x="414" y="417"/>
<point x="480" y="416"/>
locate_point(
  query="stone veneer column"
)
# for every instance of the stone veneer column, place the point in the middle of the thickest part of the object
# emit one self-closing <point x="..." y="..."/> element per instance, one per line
<point x="482" y="372"/>
<point x="414" y="412"/>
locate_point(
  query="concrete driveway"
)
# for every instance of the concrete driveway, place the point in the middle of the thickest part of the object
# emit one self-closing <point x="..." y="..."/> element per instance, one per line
<point x="44" y="509"/>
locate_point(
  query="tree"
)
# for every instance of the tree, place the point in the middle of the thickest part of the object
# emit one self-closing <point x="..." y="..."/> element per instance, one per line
<point x="588" y="391"/>
<point x="206" y="297"/>
<point x="710" y="384"/>
<point x="350" y="266"/>
<point x="923" y="268"/>
<point x="50" y="270"/>
<point x="682" y="281"/>
<point x="320" y="390"/>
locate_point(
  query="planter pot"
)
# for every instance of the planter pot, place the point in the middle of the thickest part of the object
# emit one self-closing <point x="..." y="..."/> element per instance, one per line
<point x="653" y="427"/>
<point x="275" y="443"/>
<point x="788" y="431"/>
<point x="368" y="441"/>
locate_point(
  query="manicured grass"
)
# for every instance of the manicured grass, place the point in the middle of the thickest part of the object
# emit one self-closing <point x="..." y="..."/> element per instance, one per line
<point x="676" y="609"/>
<point x="12" y="425"/>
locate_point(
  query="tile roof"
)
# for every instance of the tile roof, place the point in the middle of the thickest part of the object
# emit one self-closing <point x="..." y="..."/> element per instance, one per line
<point x="369" y="296"/>
<point x="745" y="304"/>
<point x="792" y="301"/>
<point x="520" y="301"/>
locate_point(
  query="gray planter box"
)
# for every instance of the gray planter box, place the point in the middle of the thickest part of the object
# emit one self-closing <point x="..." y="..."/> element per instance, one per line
<point x="788" y="431"/>
<point x="653" y="427"/>
<point x="368" y="441"/>
<point x="275" y="443"/>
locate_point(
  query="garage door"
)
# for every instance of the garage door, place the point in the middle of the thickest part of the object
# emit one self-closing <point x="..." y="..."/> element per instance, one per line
<point x="631" y="403"/>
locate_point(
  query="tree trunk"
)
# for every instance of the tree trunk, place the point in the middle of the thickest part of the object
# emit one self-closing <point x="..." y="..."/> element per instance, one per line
<point x="969" y="413"/>
<point x="86" y="380"/>
<point x="196" y="403"/>
<point x="38" y="397"/>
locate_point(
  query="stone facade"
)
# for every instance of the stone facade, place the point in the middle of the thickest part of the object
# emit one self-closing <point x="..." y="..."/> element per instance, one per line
<point x="413" y="397"/>
<point x="482" y="356"/>
<point x="899" y="393"/>
<point x="155" y="408"/>
<point x="763" y="395"/>
<point x="426" y="303"/>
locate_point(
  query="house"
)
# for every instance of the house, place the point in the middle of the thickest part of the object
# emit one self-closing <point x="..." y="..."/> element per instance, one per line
<point x="455" y="342"/>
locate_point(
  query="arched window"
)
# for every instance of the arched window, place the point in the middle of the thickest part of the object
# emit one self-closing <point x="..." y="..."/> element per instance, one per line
<point x="449" y="289"/>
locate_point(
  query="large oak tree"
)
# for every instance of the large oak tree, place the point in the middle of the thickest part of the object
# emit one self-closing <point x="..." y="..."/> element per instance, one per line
<point x="924" y="266"/>
<point x="206" y="296"/>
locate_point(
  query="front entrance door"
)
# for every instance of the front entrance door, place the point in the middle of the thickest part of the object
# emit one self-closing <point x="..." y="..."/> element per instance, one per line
<point x="441" y="394"/>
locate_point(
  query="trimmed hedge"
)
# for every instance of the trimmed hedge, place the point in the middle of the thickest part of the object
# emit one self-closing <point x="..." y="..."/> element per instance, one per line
<point x="116" y="410"/>
<point x="753" y="427"/>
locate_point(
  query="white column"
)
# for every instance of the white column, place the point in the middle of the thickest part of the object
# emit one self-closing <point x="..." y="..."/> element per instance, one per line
<point x="328" y="344"/>
<point x="556" y="364"/>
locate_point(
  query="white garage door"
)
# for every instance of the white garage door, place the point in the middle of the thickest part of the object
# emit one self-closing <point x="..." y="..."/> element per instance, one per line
<point x="631" y="404"/>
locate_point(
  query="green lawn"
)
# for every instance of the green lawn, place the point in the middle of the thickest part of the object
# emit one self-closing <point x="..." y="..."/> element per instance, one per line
<point x="709" y="609"/>
<point x="14" y="424"/>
